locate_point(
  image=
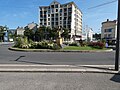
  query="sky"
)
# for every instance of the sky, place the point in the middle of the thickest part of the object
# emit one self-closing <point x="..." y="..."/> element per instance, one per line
<point x="14" y="13"/>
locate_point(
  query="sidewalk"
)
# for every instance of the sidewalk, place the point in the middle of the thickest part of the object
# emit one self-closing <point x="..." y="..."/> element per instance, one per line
<point x="59" y="68"/>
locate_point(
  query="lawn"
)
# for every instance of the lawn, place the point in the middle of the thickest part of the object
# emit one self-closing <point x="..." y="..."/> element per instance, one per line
<point x="82" y="48"/>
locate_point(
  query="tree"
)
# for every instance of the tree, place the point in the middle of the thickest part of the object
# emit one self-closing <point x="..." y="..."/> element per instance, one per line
<point x="39" y="34"/>
<point x="54" y="33"/>
<point x="65" y="33"/>
<point x="29" y="33"/>
<point x="97" y="36"/>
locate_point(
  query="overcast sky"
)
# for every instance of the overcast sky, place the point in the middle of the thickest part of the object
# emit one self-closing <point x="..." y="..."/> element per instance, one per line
<point x="14" y="13"/>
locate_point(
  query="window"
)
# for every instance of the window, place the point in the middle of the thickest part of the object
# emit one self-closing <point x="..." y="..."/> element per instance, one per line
<point x="60" y="10"/>
<point x="60" y="14"/>
<point x="60" y="18"/>
<point x="56" y="10"/>
<point x="60" y="22"/>
<point x="65" y="9"/>
<point x="48" y="23"/>
<point x="48" y="10"/>
<point x="109" y="35"/>
<point x="108" y="30"/>
<point x="56" y="23"/>
<point x="48" y="19"/>
<point x="52" y="6"/>
<point x="56" y="15"/>
<point x="56" y="6"/>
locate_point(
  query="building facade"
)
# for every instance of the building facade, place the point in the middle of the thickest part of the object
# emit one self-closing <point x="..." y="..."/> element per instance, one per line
<point x="87" y="34"/>
<point x="20" y="31"/>
<point x="32" y="26"/>
<point x="62" y="15"/>
<point x="109" y="30"/>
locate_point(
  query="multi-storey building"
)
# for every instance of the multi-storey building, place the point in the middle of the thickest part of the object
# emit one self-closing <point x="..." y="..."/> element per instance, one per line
<point x="109" y="30"/>
<point x="62" y="15"/>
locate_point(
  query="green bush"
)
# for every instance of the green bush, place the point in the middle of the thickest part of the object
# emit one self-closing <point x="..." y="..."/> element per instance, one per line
<point x="42" y="45"/>
<point x="25" y="43"/>
<point x="21" y="42"/>
<point x="56" y="47"/>
<point x="18" y="42"/>
<point x="74" y="44"/>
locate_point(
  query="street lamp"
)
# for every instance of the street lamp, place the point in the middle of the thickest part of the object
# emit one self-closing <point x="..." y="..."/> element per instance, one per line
<point x="117" y="40"/>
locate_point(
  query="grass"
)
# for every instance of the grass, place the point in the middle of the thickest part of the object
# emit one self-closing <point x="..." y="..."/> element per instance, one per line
<point x="69" y="48"/>
<point x="82" y="48"/>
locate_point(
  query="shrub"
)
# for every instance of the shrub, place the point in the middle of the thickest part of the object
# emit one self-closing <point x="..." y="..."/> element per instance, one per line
<point x="83" y="44"/>
<point x="56" y="47"/>
<point x="18" y="42"/>
<point x="21" y="42"/>
<point x="73" y="44"/>
<point x="99" y="45"/>
<point x="42" y="45"/>
<point x="25" y="43"/>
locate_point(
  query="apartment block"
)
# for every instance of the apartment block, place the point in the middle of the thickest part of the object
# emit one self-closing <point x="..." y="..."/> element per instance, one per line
<point x="62" y="15"/>
<point x="109" y="30"/>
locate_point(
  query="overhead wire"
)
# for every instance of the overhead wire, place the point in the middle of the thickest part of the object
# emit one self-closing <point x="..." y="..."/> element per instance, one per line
<point x="103" y="4"/>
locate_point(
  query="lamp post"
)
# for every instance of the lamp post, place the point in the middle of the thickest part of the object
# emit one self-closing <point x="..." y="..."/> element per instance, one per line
<point x="118" y="39"/>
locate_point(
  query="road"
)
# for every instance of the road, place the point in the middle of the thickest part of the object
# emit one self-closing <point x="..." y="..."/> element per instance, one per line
<point x="59" y="81"/>
<point x="55" y="58"/>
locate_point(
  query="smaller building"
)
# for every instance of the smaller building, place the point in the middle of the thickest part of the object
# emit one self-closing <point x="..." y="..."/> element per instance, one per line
<point x="109" y="30"/>
<point x="32" y="26"/>
<point x="11" y="34"/>
<point x="20" y="31"/>
<point x="87" y="34"/>
<point x="6" y="36"/>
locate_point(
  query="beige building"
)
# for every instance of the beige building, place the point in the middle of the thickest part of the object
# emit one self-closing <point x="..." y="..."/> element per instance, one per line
<point x="66" y="15"/>
<point x="109" y="30"/>
<point x="20" y="31"/>
<point x="32" y="26"/>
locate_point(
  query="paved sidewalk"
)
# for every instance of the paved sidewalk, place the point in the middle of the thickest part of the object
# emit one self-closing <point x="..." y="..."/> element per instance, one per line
<point x="58" y="68"/>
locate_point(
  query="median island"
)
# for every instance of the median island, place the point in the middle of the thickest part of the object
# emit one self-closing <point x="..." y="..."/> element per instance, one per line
<point x="23" y="44"/>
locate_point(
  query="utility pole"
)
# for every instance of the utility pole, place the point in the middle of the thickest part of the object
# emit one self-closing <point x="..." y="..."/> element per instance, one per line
<point x="118" y="39"/>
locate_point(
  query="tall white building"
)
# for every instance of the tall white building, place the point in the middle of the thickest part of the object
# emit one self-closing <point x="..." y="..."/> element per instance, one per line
<point x="65" y="15"/>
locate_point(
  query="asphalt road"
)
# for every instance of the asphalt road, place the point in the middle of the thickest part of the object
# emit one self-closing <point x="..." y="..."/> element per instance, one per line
<point x="59" y="81"/>
<point x="55" y="58"/>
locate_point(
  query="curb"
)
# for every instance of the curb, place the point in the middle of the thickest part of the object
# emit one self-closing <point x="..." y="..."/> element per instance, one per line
<point x="60" y="71"/>
<point x="47" y="50"/>
<point x="108" y="69"/>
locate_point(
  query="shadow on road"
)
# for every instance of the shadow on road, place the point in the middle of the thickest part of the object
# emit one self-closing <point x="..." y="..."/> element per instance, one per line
<point x="19" y="58"/>
<point x="35" y="62"/>
<point x="116" y="78"/>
